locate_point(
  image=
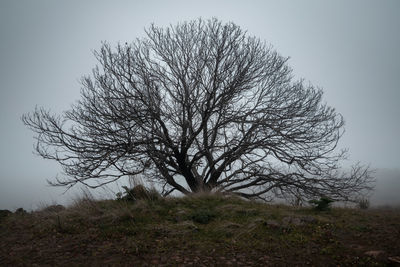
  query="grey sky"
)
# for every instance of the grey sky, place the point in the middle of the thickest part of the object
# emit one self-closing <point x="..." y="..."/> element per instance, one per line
<point x="349" y="48"/>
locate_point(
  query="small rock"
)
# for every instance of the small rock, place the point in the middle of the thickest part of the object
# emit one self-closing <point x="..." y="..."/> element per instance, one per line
<point x="308" y="219"/>
<point x="273" y="223"/>
<point x="376" y="254"/>
<point x="292" y="220"/>
<point x="180" y="215"/>
<point x="188" y="225"/>
<point x="395" y="260"/>
<point x="256" y="222"/>
<point x="356" y="247"/>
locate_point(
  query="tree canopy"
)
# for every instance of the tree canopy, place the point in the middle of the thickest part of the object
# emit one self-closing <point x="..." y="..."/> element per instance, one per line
<point x="199" y="106"/>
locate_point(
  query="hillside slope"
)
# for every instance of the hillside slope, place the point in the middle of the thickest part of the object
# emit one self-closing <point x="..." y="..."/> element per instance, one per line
<point x="199" y="231"/>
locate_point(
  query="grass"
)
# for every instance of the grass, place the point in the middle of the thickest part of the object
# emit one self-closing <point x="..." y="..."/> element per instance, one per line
<point x="200" y="230"/>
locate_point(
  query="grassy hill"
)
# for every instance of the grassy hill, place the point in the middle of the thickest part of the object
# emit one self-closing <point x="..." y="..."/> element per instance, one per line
<point x="200" y="231"/>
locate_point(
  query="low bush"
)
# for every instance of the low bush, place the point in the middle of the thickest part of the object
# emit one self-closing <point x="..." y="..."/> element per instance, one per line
<point x="323" y="204"/>
<point x="203" y="216"/>
<point x="363" y="203"/>
<point x="138" y="192"/>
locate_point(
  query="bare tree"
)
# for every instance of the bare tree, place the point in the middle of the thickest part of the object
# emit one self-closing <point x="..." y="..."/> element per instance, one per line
<point x="199" y="106"/>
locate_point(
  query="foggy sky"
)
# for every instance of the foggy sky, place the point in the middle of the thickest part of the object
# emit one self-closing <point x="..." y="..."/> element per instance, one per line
<point x="349" y="48"/>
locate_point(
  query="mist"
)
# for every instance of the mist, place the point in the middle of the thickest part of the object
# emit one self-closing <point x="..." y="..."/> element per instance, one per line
<point x="350" y="49"/>
<point x="386" y="192"/>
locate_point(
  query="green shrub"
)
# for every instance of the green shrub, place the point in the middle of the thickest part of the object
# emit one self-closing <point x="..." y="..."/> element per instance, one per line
<point x="4" y="213"/>
<point x="322" y="204"/>
<point x="203" y="216"/>
<point x="20" y="211"/>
